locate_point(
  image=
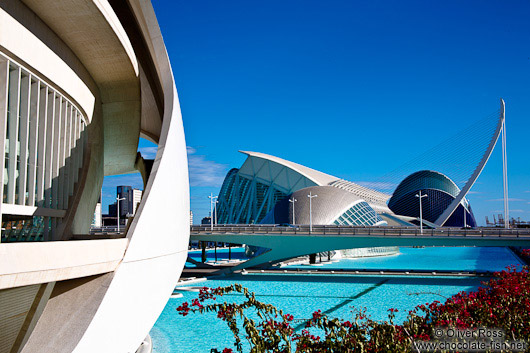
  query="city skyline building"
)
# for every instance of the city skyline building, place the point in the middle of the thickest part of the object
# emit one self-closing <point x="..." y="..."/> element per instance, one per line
<point x="97" y="220"/>
<point x="129" y="199"/>
<point x="136" y="199"/>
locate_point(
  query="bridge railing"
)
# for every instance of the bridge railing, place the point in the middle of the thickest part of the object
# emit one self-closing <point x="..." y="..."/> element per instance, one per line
<point x="357" y="230"/>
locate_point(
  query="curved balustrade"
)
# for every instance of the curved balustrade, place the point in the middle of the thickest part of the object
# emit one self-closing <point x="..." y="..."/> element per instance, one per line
<point x="43" y="144"/>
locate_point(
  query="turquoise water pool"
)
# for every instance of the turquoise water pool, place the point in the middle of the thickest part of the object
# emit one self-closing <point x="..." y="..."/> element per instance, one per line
<point x="223" y="254"/>
<point x="300" y="295"/>
<point x="429" y="259"/>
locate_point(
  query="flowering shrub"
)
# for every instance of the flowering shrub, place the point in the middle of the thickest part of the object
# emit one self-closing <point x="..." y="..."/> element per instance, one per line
<point x="504" y="303"/>
<point x="525" y="254"/>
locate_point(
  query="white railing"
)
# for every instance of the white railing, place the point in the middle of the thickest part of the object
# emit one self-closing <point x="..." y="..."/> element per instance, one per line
<point x="42" y="145"/>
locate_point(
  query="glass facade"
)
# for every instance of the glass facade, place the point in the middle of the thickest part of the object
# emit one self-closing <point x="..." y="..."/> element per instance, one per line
<point x="425" y="179"/>
<point x="360" y="214"/>
<point x="31" y="229"/>
<point x="245" y="201"/>
<point x="439" y="192"/>
<point x="43" y="140"/>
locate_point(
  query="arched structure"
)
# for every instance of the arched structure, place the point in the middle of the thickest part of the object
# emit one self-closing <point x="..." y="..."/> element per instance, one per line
<point x="440" y="191"/>
<point x="250" y="192"/>
<point x="80" y="82"/>
<point x="444" y="217"/>
<point x="331" y="206"/>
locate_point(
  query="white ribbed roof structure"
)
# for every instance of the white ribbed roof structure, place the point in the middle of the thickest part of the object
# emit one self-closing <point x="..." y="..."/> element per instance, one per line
<point x="250" y="192"/>
<point x="284" y="173"/>
<point x="289" y="177"/>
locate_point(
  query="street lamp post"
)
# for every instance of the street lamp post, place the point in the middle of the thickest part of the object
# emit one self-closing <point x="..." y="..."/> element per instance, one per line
<point x="293" y="200"/>
<point x="212" y="200"/>
<point x="310" y="212"/>
<point x="215" y="211"/>
<point x="420" y="196"/>
<point x="465" y="217"/>
<point x="118" y="199"/>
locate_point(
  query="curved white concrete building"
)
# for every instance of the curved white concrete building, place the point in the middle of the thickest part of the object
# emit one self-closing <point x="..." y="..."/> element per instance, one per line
<point x="331" y="206"/>
<point x="249" y="193"/>
<point x="80" y="82"/>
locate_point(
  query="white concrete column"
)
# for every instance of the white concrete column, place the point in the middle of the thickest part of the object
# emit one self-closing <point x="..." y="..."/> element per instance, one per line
<point x="82" y="141"/>
<point x="62" y="155"/>
<point x="13" y="120"/>
<point x="41" y="144"/>
<point x="55" y="150"/>
<point x="49" y="149"/>
<point x="75" y="158"/>
<point x="33" y="138"/>
<point x="70" y="154"/>
<point x="25" y="87"/>
<point x="4" y="75"/>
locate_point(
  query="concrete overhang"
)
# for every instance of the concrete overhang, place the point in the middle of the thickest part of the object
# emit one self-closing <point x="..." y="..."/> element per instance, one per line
<point x="95" y="35"/>
<point x="24" y="264"/>
<point x="92" y="30"/>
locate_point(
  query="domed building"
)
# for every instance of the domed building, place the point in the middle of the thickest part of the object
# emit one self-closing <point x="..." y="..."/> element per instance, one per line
<point x="438" y="192"/>
<point x="330" y="205"/>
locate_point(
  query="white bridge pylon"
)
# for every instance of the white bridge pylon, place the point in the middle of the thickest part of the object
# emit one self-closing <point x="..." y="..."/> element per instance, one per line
<point x="500" y="128"/>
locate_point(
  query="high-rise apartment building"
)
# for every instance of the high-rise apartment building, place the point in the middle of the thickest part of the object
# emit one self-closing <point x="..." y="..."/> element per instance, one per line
<point x="129" y="200"/>
<point x="136" y="198"/>
<point x="124" y="194"/>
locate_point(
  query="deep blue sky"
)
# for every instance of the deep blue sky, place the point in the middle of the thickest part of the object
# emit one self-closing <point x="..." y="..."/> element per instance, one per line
<point x="354" y="89"/>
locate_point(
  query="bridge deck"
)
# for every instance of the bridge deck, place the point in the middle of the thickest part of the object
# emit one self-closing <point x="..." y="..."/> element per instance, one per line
<point x="357" y="230"/>
<point x="289" y="242"/>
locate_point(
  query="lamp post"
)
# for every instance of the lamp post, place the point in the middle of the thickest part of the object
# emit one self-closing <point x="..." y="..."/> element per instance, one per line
<point x="310" y="212"/>
<point x="212" y="201"/>
<point x="465" y="217"/>
<point x="118" y="199"/>
<point x="215" y="211"/>
<point x="293" y="200"/>
<point x="420" y="196"/>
